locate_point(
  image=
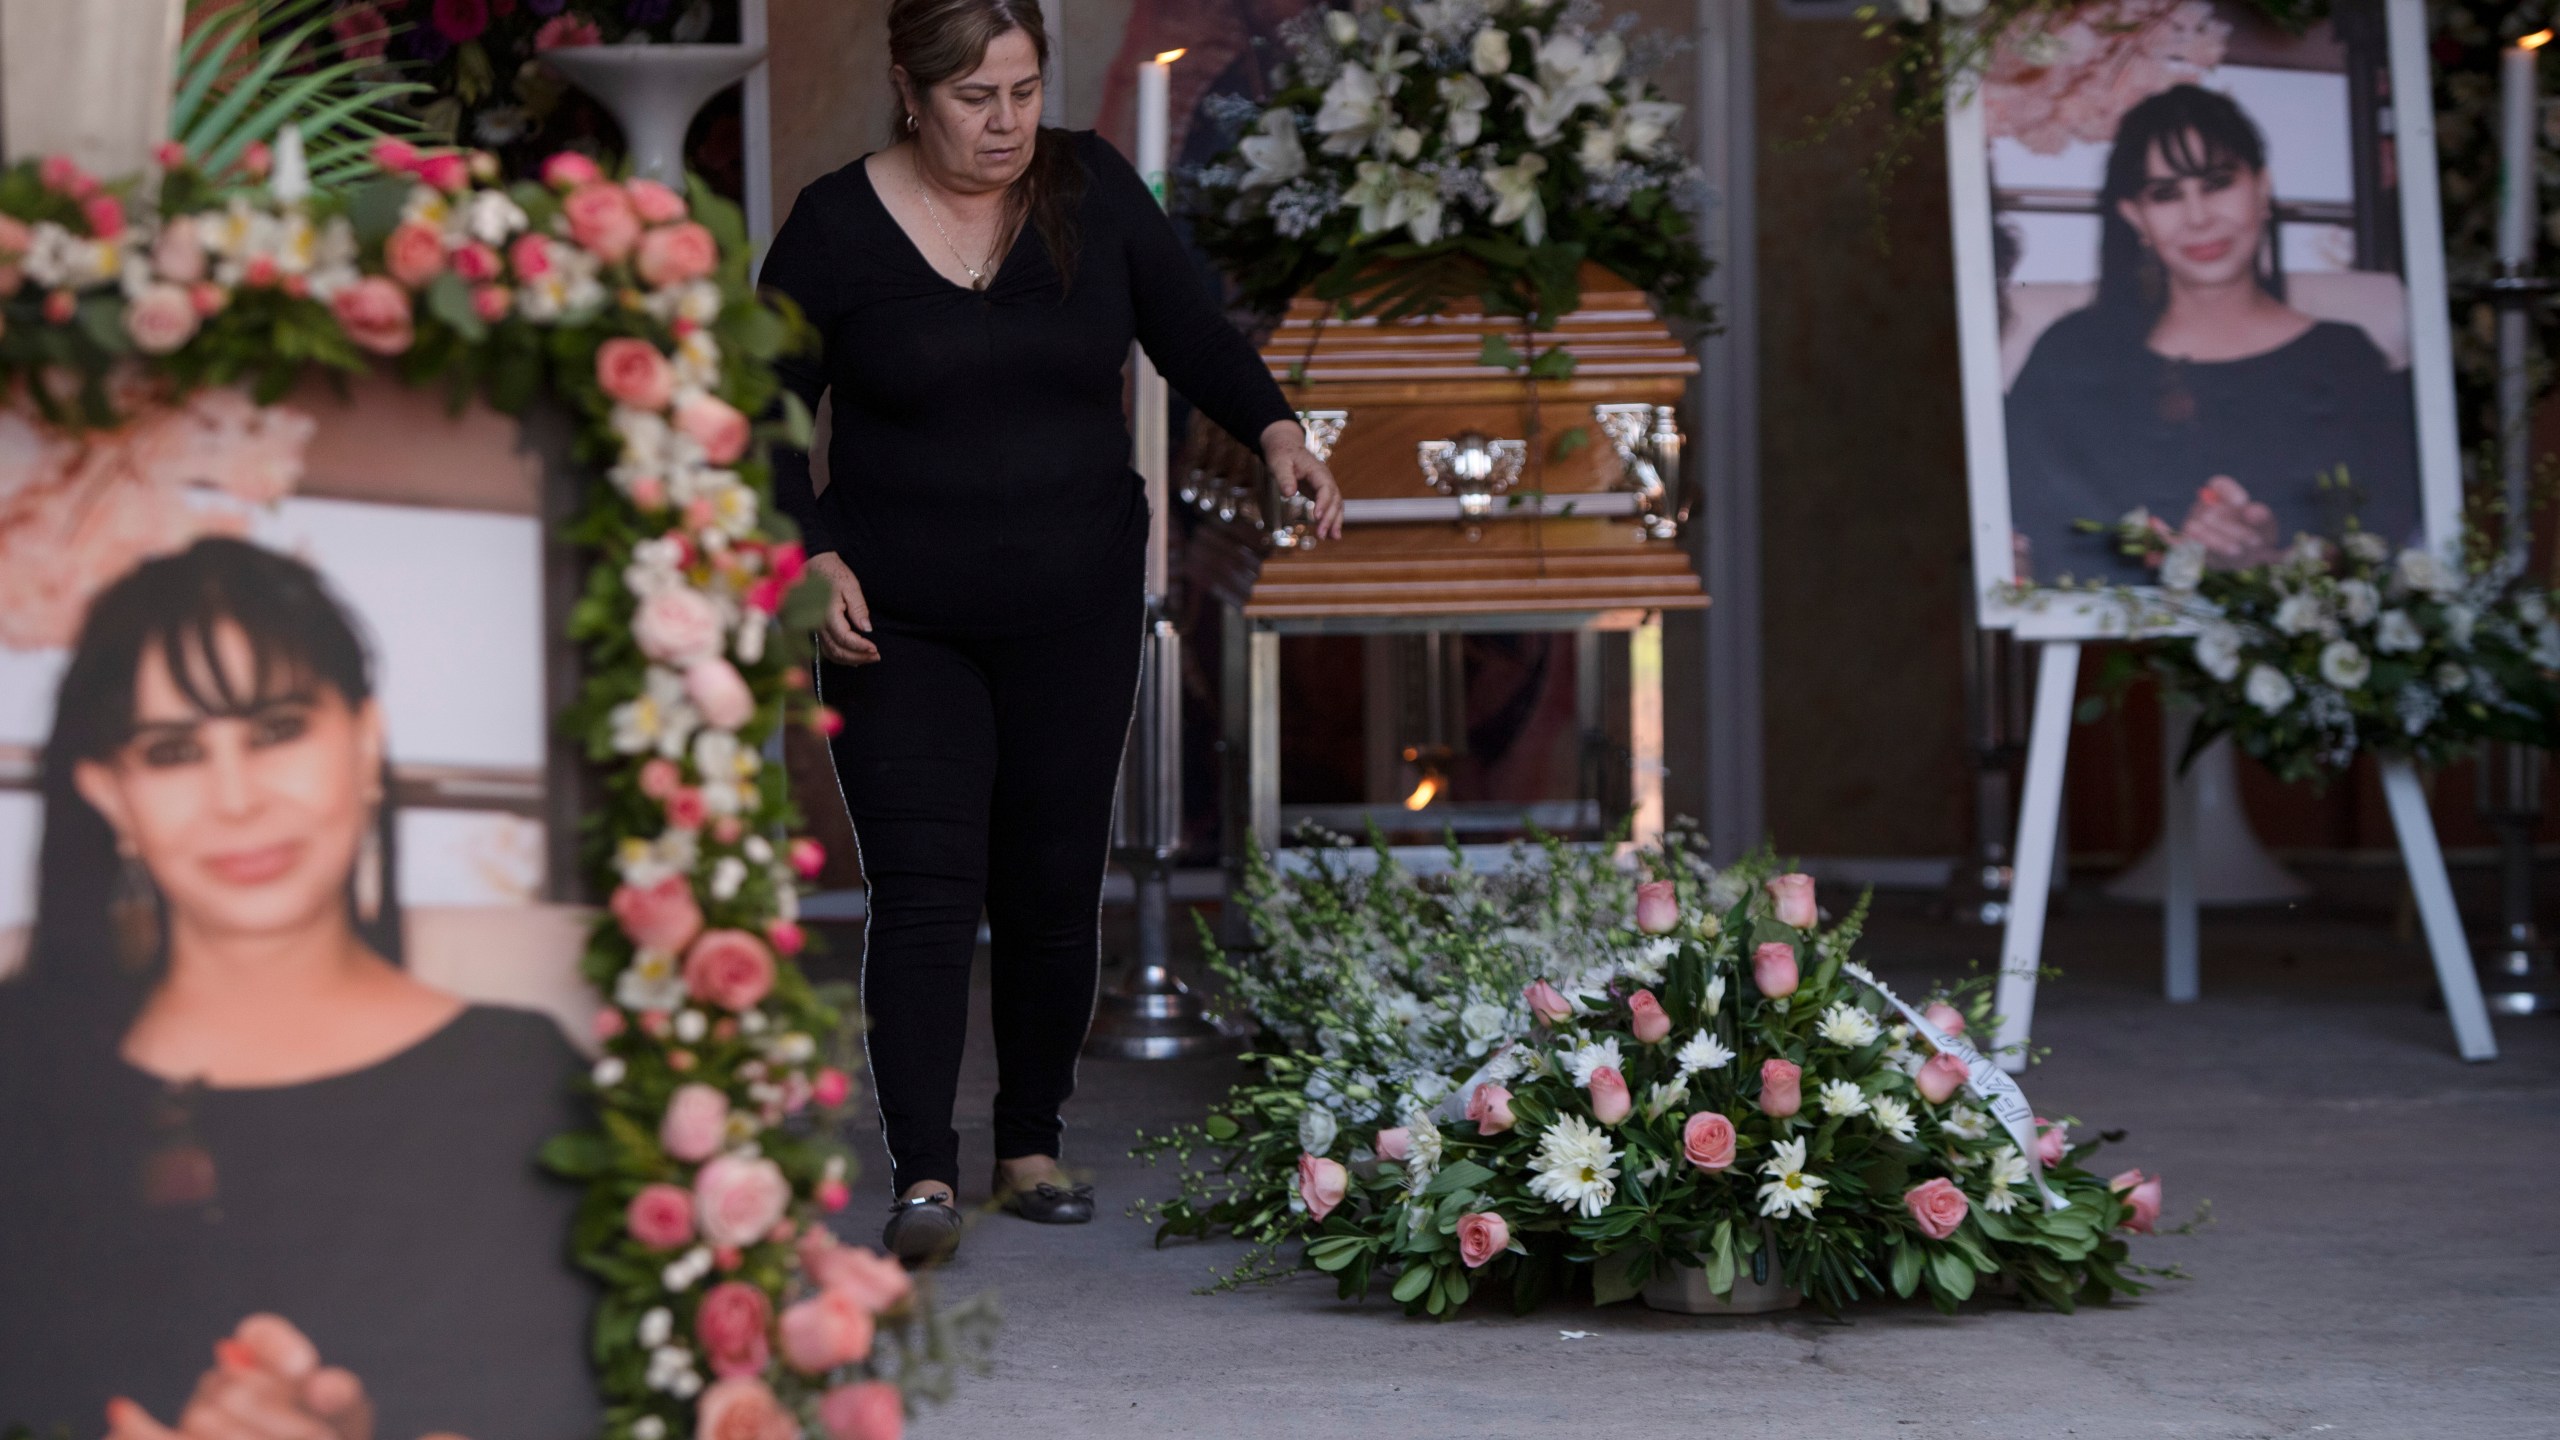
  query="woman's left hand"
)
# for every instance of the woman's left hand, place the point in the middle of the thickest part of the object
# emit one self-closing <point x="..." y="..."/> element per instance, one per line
<point x="1297" y="471"/>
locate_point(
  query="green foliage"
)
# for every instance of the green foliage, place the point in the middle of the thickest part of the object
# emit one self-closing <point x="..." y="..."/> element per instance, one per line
<point x="251" y="68"/>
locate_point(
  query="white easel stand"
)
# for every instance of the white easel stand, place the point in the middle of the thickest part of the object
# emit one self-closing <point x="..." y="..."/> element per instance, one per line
<point x="2039" y="819"/>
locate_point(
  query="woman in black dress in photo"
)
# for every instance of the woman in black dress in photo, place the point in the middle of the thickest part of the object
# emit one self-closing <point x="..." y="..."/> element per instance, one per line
<point x="2189" y="386"/>
<point x="223" y="1100"/>
<point x="977" y="286"/>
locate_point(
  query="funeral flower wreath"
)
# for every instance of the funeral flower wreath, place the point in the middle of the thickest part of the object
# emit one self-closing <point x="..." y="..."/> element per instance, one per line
<point x="728" y="1309"/>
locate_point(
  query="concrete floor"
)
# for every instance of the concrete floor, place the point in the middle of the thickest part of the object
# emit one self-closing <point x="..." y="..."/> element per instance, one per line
<point x="2380" y="1261"/>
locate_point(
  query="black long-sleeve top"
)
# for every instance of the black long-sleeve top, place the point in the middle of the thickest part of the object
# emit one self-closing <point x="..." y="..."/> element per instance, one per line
<point x="2099" y="424"/>
<point x="979" y="475"/>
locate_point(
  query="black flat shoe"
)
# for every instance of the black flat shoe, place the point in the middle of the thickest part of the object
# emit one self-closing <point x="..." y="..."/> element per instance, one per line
<point x="922" y="1230"/>
<point x="1047" y="1204"/>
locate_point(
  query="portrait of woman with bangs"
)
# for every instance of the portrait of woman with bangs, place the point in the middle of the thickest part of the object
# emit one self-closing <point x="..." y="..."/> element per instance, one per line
<point x="2193" y="385"/>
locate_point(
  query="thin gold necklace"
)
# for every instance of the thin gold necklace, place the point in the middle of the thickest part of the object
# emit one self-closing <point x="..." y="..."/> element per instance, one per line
<point x="977" y="277"/>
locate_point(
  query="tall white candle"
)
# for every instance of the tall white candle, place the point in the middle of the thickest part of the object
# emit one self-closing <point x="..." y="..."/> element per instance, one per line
<point x="1149" y="406"/>
<point x="2519" y="120"/>
<point x="289" y="174"/>
<point x="1155" y="119"/>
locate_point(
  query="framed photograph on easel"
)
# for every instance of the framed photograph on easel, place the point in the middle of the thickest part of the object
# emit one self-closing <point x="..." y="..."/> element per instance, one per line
<point x="2196" y="282"/>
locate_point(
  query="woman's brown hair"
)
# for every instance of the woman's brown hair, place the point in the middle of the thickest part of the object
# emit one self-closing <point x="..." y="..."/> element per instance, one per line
<point x="938" y="40"/>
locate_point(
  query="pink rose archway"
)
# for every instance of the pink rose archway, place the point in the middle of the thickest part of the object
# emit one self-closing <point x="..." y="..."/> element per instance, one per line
<point x="728" y="1310"/>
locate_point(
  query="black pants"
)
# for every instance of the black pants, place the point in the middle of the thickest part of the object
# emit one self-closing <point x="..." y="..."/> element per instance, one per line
<point x="980" y="774"/>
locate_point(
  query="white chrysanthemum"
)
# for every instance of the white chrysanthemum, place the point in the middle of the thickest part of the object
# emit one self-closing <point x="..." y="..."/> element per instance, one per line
<point x="2007" y="1169"/>
<point x="1788" y="1190"/>
<point x="2268" y="689"/>
<point x="1316" y="1129"/>
<point x="1645" y="964"/>
<point x="1847" y="1026"/>
<point x="1576" y="1167"/>
<point x="1965" y="1123"/>
<point x="1840" y="1097"/>
<point x="1582" y="1060"/>
<point x="1422" y="1155"/>
<point x="1702" y="1051"/>
<point x="1893" y="1117"/>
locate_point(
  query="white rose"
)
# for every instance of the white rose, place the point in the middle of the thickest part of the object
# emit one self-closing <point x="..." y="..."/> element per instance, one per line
<point x="1316" y="1127"/>
<point x="1490" y="52"/>
<point x="1914" y="11"/>
<point x="2360" y="600"/>
<point x="2343" y="665"/>
<point x="2458" y="620"/>
<point x="2184" y="567"/>
<point x="2421" y="572"/>
<point x="2397" y="634"/>
<point x="2218" y="651"/>
<point x="2452" y="679"/>
<point x="2532" y="609"/>
<point x="2268" y="689"/>
<point x="2302" y="613"/>
<point x="1343" y="26"/>
<point x="2368" y="547"/>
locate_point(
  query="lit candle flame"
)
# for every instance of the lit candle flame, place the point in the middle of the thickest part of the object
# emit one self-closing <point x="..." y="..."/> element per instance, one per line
<point x="2534" y="41"/>
<point x="1423" y="793"/>
<point x="1170" y="56"/>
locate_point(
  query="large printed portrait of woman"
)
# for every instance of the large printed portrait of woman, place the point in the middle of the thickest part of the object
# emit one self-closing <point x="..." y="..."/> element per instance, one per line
<point x="275" y="1070"/>
<point x="2188" y="258"/>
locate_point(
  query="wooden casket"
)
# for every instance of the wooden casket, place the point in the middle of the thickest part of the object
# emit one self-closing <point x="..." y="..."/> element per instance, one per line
<point x="1469" y="494"/>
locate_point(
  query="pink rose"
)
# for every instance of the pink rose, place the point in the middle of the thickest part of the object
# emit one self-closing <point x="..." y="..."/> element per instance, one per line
<point x="1609" y="1099"/>
<point x="659" y="917"/>
<point x="395" y="157"/>
<point x="62" y="173"/>
<point x="1946" y="1019"/>
<point x="655" y="202"/>
<point x="1395" y="1143"/>
<point x="362" y="33"/>
<point x="492" y="302"/>
<point x="477" y="262"/>
<point x="601" y="220"/>
<point x="1490" y="1108"/>
<point x="569" y="168"/>
<point x="833" y="1087"/>
<point x="1651" y="1023"/>
<point x="461" y="21"/>
<point x="678" y="627"/>
<point x="2053" y="1141"/>
<point x="531" y="256"/>
<point x="720" y="693"/>
<point x="1481" y="1236"/>
<point x="414" y="254"/>
<point x="808" y="857"/>
<point x="716" y="426"/>
<point x="736" y="1199"/>
<point x="609" y="1023"/>
<point x="560" y="31"/>
<point x="1708" y="1141"/>
<point x="874" y="1281"/>
<point x="696" y="1122"/>
<point x="178" y="255"/>
<point x="1941" y="1078"/>
<point x="635" y="372"/>
<point x="448" y="172"/>
<point x="1781" y="1088"/>
<point x="1657" y="906"/>
<point x="833" y="1195"/>
<point x="686" y="809"/>
<point x="824" y="1331"/>
<point x="660" y="1217"/>
<point x="786" y="936"/>
<point x="105" y="214"/>
<point x="1773" y="969"/>
<point x="1547" y="1003"/>
<point x="742" y="1408"/>
<point x="2142" y="1192"/>
<point x="659" y="778"/>
<point x="161" y="318"/>
<point x="1936" y="1206"/>
<point x="731" y="1324"/>
<point x="728" y="968"/>
<point x="673" y="254"/>
<point x="1792" y="895"/>
<point x="871" y="1410"/>
<point x="375" y="314"/>
<point x="1322" y="1184"/>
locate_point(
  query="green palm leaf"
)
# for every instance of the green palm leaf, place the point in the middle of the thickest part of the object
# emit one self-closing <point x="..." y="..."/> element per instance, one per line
<point x="225" y="100"/>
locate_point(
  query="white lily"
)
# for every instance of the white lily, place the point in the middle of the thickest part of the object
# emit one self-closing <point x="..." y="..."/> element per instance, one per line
<point x="1467" y="100"/>
<point x="1272" y="154"/>
<point x="1515" y="191"/>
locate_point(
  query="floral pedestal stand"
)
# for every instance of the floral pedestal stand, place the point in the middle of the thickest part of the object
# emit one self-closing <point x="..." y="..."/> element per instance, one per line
<point x="654" y="91"/>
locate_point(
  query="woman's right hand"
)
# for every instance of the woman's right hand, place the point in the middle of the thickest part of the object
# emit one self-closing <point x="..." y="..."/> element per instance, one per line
<point x="840" y="636"/>
<point x="267" y="1383"/>
<point x="2235" y="531"/>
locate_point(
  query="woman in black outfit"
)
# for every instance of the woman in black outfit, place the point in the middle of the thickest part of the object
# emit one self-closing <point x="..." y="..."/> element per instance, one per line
<point x="977" y="286"/>
<point x="2189" y="387"/>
